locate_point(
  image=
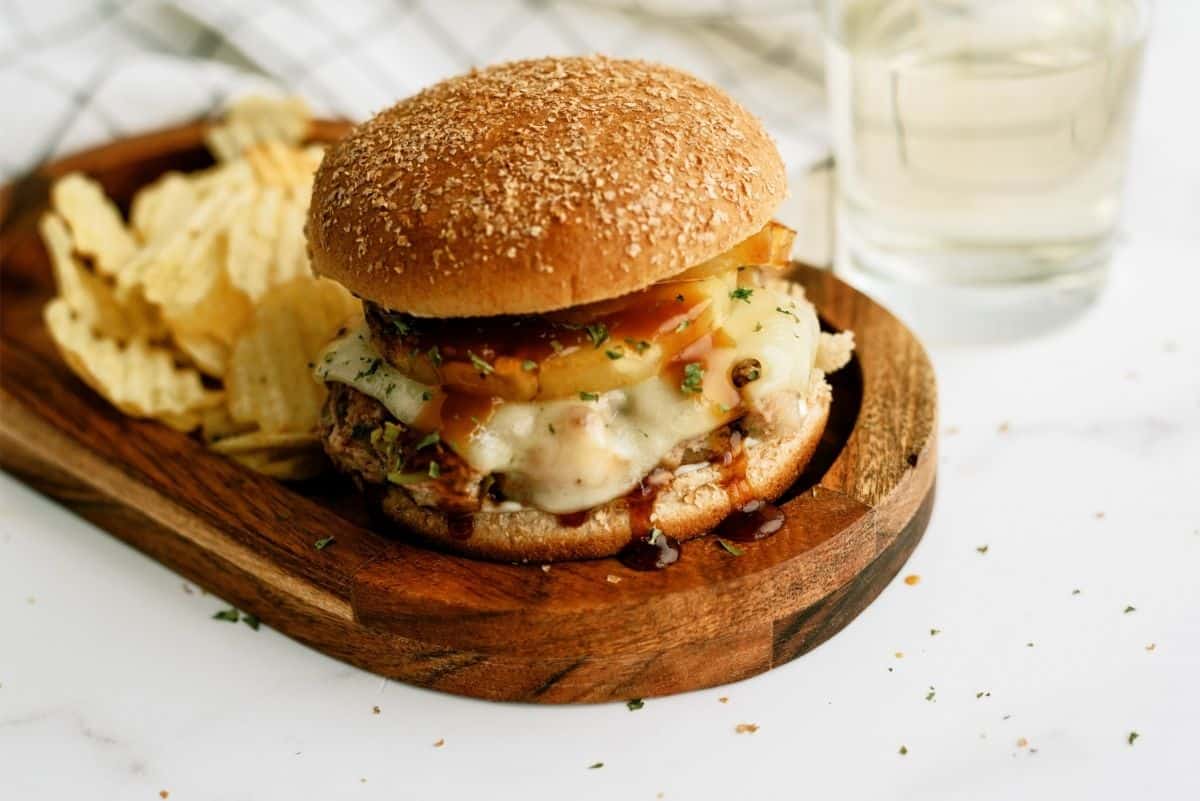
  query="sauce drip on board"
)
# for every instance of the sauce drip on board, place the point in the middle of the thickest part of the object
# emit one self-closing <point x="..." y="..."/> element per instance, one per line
<point x="755" y="520"/>
<point x="649" y="548"/>
<point x="652" y="551"/>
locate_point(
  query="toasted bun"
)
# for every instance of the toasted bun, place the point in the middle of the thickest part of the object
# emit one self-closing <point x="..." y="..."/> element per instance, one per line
<point x="691" y="505"/>
<point x="540" y="185"/>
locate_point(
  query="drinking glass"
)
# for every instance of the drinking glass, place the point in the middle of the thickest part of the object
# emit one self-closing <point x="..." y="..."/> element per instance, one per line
<point x="981" y="148"/>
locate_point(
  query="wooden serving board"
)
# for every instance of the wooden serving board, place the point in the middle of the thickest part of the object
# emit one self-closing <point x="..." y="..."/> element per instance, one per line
<point x="498" y="631"/>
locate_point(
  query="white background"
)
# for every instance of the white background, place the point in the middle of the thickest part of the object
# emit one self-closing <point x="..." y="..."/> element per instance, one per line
<point x="116" y="683"/>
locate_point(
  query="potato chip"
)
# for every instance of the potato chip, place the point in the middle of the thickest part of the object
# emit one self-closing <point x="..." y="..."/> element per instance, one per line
<point x="216" y="423"/>
<point x="92" y="298"/>
<point x="209" y="354"/>
<point x="163" y="208"/>
<point x="267" y="440"/>
<point x="96" y="225"/>
<point x="291" y="257"/>
<point x="250" y="257"/>
<point x="186" y="275"/>
<point x="285" y="466"/>
<point x="214" y="264"/>
<point x="139" y="379"/>
<point x="270" y="375"/>
<point x="228" y="175"/>
<point x="258" y="119"/>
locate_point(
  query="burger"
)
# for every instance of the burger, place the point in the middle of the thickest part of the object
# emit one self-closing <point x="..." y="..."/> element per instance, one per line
<point x="575" y="339"/>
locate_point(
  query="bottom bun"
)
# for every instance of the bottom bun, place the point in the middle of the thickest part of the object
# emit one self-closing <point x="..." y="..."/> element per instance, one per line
<point x="691" y="502"/>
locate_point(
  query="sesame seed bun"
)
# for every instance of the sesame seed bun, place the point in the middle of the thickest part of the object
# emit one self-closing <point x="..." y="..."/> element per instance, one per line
<point x="692" y="504"/>
<point x="539" y="185"/>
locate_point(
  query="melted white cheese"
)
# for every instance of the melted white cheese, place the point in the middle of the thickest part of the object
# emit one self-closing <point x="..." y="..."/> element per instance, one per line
<point x="572" y="454"/>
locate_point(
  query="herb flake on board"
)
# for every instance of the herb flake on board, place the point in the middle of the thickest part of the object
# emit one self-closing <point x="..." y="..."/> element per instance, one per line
<point x="730" y="547"/>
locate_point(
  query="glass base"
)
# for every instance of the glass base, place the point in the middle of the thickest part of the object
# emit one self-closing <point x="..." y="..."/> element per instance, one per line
<point x="1012" y="294"/>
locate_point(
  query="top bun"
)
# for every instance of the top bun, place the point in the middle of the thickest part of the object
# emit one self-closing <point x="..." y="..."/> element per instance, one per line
<point x="539" y="185"/>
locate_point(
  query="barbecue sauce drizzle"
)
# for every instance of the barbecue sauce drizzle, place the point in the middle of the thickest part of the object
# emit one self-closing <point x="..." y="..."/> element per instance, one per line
<point x="650" y="549"/>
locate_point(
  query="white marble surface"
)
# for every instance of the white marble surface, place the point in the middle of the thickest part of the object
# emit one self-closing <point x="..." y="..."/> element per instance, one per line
<point x="1075" y="458"/>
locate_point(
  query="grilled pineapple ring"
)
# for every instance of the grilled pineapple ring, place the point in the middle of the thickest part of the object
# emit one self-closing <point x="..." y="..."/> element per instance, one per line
<point x="587" y="349"/>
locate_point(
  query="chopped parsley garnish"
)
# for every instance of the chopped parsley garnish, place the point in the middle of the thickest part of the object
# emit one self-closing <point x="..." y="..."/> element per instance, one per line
<point x="635" y="704"/>
<point x="556" y="345"/>
<point x="432" y="438"/>
<point x="529" y="365"/>
<point x="425" y="396"/>
<point x="934" y="632"/>
<point x="929" y="695"/>
<point x="230" y="615"/>
<point x="1133" y="735"/>
<point x="682" y="326"/>
<point x="397" y="477"/>
<point x="482" y="366"/>
<point x="598" y="333"/>
<point x="982" y="549"/>
<point x="903" y="750"/>
<point x="1129" y="609"/>
<point x="693" y="378"/>
<point x="402" y="327"/>
<point x="435" y="356"/>
<point x="589" y="396"/>
<point x="251" y="621"/>
<point x="370" y="369"/>
<point x="323" y="543"/>
<point x="788" y="312"/>
<point x="640" y="345"/>
<point x="595" y="765"/>
<point x="742" y="293"/>
<point x="730" y="547"/>
<point x="757" y="327"/>
<point x="614" y="354"/>
<point x="434" y="470"/>
<point x="551" y="427"/>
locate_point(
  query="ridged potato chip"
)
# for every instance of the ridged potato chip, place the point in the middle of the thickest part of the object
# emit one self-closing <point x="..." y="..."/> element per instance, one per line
<point x="96" y="225"/>
<point x="90" y="297"/>
<point x="216" y="423"/>
<point x="211" y="275"/>
<point x="164" y="207"/>
<point x="186" y="274"/>
<point x="209" y="354"/>
<point x="270" y="379"/>
<point x="253" y="120"/>
<point x="279" y="441"/>
<point x="139" y="379"/>
<point x="287" y="466"/>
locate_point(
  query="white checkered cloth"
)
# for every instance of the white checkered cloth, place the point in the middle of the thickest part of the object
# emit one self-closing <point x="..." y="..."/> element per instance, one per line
<point x="74" y="73"/>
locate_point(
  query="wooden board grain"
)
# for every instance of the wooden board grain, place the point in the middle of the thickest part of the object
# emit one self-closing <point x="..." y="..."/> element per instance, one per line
<point x="499" y="631"/>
